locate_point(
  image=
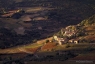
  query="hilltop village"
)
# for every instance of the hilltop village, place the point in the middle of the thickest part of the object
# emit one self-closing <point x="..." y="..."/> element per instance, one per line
<point x="66" y="35"/>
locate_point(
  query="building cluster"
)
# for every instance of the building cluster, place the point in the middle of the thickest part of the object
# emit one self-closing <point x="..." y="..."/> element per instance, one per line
<point x="68" y="32"/>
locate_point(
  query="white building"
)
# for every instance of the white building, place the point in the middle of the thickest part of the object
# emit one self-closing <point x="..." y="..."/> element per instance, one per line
<point x="60" y="41"/>
<point x="73" y="41"/>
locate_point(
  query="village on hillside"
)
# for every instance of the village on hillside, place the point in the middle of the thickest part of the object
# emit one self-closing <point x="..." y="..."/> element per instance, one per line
<point x="68" y="35"/>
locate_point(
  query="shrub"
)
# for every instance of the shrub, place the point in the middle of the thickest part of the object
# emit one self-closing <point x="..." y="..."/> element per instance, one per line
<point x="47" y="41"/>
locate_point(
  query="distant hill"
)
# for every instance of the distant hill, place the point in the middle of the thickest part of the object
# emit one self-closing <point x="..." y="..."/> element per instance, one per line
<point x="70" y="12"/>
<point x="66" y="11"/>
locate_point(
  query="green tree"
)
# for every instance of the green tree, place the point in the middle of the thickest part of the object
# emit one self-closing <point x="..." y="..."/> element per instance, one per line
<point x="47" y="41"/>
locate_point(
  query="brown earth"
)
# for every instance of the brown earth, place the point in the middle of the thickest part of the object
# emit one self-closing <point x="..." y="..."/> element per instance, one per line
<point x="48" y="46"/>
<point x="88" y="56"/>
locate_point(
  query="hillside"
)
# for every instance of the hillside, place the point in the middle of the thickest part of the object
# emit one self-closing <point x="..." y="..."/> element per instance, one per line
<point x="61" y="14"/>
<point x="83" y="32"/>
<point x="48" y="50"/>
<point x="88" y="21"/>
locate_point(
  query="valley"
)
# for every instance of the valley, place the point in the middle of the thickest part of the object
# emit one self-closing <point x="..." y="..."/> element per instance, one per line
<point x="47" y="31"/>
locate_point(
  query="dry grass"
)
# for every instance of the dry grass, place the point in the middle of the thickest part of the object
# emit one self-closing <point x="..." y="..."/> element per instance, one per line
<point x="90" y="30"/>
<point x="48" y="46"/>
<point x="90" y="37"/>
<point x="32" y="49"/>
